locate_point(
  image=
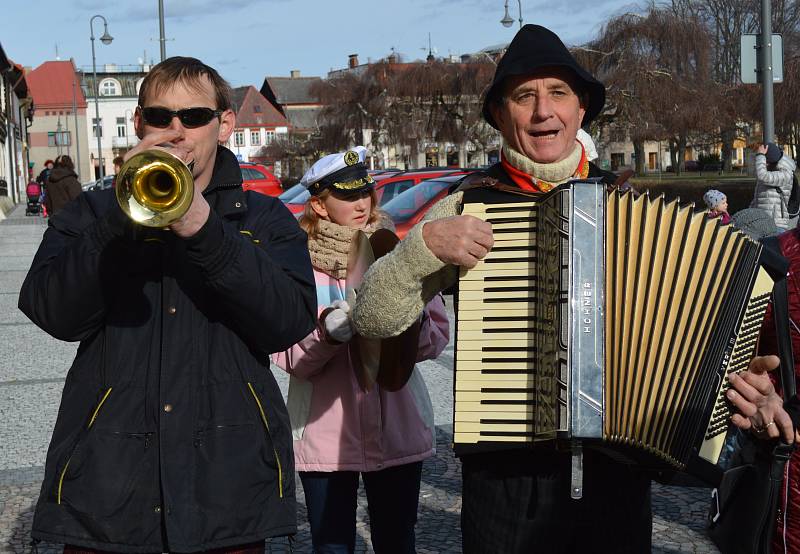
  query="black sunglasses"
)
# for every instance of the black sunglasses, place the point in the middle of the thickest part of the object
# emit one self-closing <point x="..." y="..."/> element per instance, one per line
<point x="190" y="118"/>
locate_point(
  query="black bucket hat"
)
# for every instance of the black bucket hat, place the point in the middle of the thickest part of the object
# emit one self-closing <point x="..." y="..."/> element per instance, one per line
<point x="535" y="47"/>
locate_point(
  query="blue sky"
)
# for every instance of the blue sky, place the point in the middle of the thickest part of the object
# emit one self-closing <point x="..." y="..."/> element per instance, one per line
<point x="249" y="39"/>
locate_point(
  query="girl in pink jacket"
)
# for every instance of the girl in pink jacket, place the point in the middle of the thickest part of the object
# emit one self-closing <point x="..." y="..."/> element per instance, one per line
<point x="340" y="430"/>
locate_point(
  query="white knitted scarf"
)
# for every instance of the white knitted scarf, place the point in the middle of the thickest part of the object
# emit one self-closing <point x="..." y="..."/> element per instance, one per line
<point x="555" y="173"/>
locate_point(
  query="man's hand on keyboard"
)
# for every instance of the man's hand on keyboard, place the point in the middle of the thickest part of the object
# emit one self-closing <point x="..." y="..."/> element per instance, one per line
<point x="459" y="240"/>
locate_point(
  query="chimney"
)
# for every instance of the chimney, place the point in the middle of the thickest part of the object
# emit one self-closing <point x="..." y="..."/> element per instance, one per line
<point x="352" y="61"/>
<point x="392" y="58"/>
<point x="294" y="73"/>
<point x="110" y="67"/>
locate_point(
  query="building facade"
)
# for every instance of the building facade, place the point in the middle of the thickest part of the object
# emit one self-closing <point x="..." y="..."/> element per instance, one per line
<point x="117" y="94"/>
<point x="59" y="125"/>
<point x="15" y="114"/>
<point x="258" y="124"/>
<point x="294" y="98"/>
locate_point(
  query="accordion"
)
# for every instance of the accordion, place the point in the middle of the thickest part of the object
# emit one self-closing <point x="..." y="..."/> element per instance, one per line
<point x="604" y="319"/>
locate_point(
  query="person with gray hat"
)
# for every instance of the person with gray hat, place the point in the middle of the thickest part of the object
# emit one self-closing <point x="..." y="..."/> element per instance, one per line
<point x="517" y="500"/>
<point x="774" y="178"/>
<point x="755" y="223"/>
<point x="717" y="204"/>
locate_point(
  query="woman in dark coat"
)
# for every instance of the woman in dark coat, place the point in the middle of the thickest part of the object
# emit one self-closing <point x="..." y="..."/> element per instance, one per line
<point x="62" y="185"/>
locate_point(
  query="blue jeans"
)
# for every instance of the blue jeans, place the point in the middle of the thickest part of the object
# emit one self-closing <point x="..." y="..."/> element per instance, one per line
<point x="392" y="497"/>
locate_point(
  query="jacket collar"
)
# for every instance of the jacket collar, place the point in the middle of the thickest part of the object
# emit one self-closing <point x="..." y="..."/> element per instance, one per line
<point x="224" y="192"/>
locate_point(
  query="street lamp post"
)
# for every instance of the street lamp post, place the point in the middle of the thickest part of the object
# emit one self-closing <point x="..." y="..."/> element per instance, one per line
<point x="105" y="39"/>
<point x="58" y="137"/>
<point x="507" y="20"/>
<point x="767" y="100"/>
<point x="161" y="38"/>
<point x="77" y="129"/>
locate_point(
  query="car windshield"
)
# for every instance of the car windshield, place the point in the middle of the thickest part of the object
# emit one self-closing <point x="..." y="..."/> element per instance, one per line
<point x="403" y="207"/>
<point x="292" y="192"/>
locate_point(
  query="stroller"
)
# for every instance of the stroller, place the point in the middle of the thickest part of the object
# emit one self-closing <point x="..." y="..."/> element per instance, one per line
<point x="33" y="191"/>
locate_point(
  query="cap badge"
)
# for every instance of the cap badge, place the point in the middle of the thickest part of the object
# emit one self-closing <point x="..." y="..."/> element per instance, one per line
<point x="351" y="157"/>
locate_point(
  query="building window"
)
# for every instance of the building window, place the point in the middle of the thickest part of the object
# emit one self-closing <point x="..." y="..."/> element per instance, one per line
<point x="257" y="108"/>
<point x="238" y="138"/>
<point x="269" y="137"/>
<point x="122" y="128"/>
<point x="617" y="160"/>
<point x="97" y="130"/>
<point x="618" y="135"/>
<point x="58" y="138"/>
<point x="110" y="87"/>
<point x="255" y="138"/>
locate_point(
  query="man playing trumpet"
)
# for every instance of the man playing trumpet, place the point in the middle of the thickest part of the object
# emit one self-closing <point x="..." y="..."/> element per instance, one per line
<point x="172" y="435"/>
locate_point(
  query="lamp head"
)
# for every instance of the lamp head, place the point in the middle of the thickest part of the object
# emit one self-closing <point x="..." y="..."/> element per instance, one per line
<point x="106" y="38"/>
<point x="507" y="21"/>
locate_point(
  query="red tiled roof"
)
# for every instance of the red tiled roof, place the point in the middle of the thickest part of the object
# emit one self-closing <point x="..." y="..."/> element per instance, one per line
<point x="247" y="100"/>
<point x="50" y="85"/>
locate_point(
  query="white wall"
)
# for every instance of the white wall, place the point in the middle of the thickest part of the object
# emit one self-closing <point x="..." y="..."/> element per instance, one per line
<point x="248" y="149"/>
<point x="111" y="107"/>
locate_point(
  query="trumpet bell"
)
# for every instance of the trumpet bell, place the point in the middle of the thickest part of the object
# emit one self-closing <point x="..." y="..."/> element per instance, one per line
<point x="154" y="188"/>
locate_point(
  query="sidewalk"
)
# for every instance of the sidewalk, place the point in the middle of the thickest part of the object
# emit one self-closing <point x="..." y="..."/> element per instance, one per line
<point x="32" y="370"/>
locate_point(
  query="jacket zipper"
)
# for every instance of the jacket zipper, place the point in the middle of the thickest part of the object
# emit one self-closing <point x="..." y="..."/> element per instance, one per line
<point x="88" y="426"/>
<point x="266" y="426"/>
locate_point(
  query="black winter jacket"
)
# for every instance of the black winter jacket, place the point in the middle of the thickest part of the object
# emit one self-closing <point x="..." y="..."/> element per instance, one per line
<point x="172" y="434"/>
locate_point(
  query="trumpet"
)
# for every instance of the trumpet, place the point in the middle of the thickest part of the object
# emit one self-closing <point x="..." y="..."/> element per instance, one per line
<point x="155" y="188"/>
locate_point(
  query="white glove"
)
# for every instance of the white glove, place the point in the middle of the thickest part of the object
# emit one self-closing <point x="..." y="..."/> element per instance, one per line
<point x="337" y="323"/>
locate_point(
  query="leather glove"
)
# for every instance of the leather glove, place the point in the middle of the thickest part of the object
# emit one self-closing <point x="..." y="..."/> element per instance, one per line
<point x="337" y="322"/>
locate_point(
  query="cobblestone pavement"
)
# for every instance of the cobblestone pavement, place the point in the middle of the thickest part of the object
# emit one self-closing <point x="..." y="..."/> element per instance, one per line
<point x="32" y="370"/>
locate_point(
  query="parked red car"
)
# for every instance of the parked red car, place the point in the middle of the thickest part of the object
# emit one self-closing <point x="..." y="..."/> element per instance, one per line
<point x="387" y="186"/>
<point x="408" y="209"/>
<point x="258" y="178"/>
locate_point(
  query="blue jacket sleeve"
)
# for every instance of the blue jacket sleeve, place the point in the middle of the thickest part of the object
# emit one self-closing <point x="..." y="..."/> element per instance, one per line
<point x="63" y="292"/>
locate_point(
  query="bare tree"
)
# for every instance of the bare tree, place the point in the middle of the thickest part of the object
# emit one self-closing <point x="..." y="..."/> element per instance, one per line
<point x="725" y="22"/>
<point x="406" y="105"/>
<point x="655" y="67"/>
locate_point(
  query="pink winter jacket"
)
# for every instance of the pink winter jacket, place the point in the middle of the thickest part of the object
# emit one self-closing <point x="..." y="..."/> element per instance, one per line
<point x="339" y="427"/>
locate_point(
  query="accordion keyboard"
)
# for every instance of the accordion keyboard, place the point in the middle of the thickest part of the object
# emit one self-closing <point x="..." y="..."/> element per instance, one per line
<point x="494" y="388"/>
<point x="737" y="360"/>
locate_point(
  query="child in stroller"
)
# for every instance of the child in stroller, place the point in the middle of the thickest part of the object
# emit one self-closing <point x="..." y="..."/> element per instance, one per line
<point x="33" y="191"/>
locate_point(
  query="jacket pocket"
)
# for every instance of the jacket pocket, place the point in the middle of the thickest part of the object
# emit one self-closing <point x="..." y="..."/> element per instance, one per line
<point x="235" y="471"/>
<point x="265" y="422"/>
<point x="109" y="471"/>
<point x="81" y="436"/>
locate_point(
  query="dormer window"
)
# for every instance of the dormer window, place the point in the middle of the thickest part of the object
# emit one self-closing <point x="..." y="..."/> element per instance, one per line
<point x="257" y="108"/>
<point x="110" y="87"/>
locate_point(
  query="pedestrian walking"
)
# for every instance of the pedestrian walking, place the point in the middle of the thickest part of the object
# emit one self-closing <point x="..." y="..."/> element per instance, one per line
<point x="172" y="434"/>
<point x="341" y="429"/>
<point x="62" y="185"/>
<point x="774" y="180"/>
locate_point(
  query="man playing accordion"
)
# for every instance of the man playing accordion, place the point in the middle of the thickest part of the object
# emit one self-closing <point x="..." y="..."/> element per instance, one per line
<point x="517" y="499"/>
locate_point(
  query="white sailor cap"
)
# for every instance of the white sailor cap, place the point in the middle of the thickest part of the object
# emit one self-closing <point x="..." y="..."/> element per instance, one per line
<point x="343" y="171"/>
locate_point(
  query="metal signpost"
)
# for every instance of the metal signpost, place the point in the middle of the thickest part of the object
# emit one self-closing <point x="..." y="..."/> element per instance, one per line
<point x="766" y="50"/>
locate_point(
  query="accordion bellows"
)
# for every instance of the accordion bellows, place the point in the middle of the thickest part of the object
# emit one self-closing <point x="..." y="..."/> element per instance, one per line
<point x="604" y="317"/>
